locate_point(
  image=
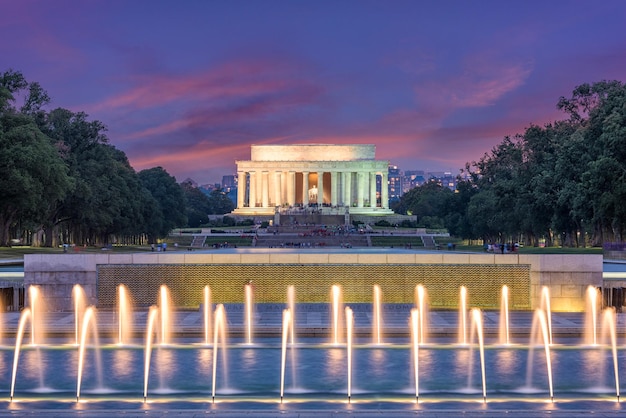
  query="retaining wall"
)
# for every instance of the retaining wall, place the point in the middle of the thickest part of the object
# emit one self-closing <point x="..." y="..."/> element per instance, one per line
<point x="271" y="271"/>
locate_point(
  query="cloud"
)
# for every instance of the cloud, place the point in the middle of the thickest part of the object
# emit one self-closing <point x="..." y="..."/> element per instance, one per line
<point x="232" y="79"/>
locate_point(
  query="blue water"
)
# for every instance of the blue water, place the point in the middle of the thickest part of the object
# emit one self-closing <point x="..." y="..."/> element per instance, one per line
<point x="249" y="377"/>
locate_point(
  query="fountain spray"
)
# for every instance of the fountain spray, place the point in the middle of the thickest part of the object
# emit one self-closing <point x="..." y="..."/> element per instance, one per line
<point x="349" y="325"/>
<point x="283" y="356"/>
<point x="26" y="315"/>
<point x="415" y="319"/>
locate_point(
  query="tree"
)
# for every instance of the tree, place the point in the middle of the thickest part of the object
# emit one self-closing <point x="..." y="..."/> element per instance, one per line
<point x="220" y="203"/>
<point x="429" y="202"/>
<point x="169" y="209"/>
<point x="197" y="204"/>
<point x="34" y="176"/>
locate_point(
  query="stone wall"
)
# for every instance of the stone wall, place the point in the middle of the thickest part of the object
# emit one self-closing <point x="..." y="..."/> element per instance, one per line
<point x="567" y="276"/>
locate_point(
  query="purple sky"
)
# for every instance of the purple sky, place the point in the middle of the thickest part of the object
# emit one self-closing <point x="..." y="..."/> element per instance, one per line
<point x="189" y="85"/>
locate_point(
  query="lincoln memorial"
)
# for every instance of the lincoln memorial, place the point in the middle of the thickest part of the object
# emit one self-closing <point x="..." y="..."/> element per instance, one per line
<point x="332" y="179"/>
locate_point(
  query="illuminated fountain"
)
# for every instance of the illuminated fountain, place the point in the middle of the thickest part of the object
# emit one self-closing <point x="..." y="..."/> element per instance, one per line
<point x="124" y="316"/>
<point x="540" y="335"/>
<point x="377" y="315"/>
<point x="349" y="337"/>
<point x="88" y="322"/>
<point x="336" y="314"/>
<point x="291" y="305"/>
<point x="166" y="315"/>
<point x="208" y="316"/>
<point x="477" y="329"/>
<point x="249" y="313"/>
<point x="504" y="317"/>
<point x="402" y="373"/>
<point x="547" y="311"/>
<point x="608" y="327"/>
<point x="463" y="315"/>
<point x="415" y="349"/>
<point x="78" y="295"/>
<point x="283" y="356"/>
<point x="591" y="317"/>
<point x="219" y="335"/>
<point x="421" y="302"/>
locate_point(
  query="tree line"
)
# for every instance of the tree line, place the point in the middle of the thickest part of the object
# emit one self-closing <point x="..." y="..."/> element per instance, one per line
<point x="564" y="182"/>
<point x="62" y="182"/>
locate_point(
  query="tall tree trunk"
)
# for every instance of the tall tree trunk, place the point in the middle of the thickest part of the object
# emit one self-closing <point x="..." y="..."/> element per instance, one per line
<point x="38" y="237"/>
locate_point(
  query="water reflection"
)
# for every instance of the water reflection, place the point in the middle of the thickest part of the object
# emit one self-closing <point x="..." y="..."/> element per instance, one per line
<point x="335" y="362"/>
<point x="378" y="362"/>
<point x="204" y="359"/>
<point x="506" y="361"/>
<point x="165" y="365"/>
<point x="123" y="361"/>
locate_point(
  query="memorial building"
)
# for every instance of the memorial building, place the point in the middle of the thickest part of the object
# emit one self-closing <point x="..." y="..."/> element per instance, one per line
<point x="328" y="179"/>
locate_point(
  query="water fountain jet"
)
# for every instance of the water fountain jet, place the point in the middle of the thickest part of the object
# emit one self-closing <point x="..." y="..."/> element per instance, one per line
<point x="207" y="314"/>
<point x="421" y="299"/>
<point x="249" y="307"/>
<point x="377" y="317"/>
<point x="545" y="306"/>
<point x="166" y="315"/>
<point x="124" y="316"/>
<point x="349" y="332"/>
<point x="477" y="325"/>
<point x="283" y="356"/>
<point x="415" y="321"/>
<point x="88" y="317"/>
<point x="609" y="323"/>
<point x="591" y="316"/>
<point x="152" y="316"/>
<point x="291" y="304"/>
<point x="540" y="328"/>
<point x="336" y="307"/>
<point x="219" y="333"/>
<point x="78" y="294"/>
<point x="25" y="316"/>
<point x="504" y="317"/>
<point x="463" y="315"/>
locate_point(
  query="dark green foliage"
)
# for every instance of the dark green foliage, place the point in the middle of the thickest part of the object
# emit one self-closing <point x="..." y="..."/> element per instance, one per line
<point x="168" y="210"/>
<point x="197" y="204"/>
<point x="563" y="182"/>
<point x="62" y="182"/>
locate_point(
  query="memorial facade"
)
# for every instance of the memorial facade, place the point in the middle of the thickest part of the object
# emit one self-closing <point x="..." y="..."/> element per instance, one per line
<point x="329" y="178"/>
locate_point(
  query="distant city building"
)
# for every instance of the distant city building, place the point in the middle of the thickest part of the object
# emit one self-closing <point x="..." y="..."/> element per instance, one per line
<point x="395" y="183"/>
<point x="229" y="183"/>
<point x="412" y="179"/>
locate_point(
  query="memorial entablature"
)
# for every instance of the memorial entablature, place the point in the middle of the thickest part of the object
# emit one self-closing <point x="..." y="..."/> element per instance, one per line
<point x="326" y="178"/>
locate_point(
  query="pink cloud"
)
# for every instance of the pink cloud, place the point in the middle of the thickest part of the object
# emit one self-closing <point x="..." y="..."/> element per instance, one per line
<point x="228" y="80"/>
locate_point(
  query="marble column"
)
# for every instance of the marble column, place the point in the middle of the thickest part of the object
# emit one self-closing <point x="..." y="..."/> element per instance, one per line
<point x="333" y="188"/>
<point x="360" y="188"/>
<point x="373" y="190"/>
<point x="241" y="189"/>
<point x="320" y="188"/>
<point x="384" y="191"/>
<point x="347" y="188"/>
<point x="291" y="188"/>
<point x="265" y="189"/>
<point x="305" y="188"/>
<point x="278" y="189"/>
<point x="284" y="187"/>
<point x="252" y="192"/>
